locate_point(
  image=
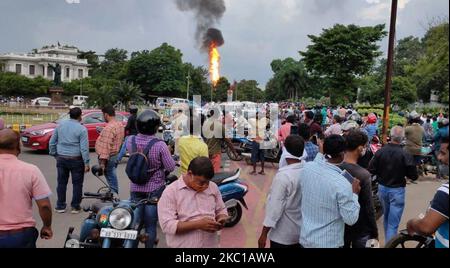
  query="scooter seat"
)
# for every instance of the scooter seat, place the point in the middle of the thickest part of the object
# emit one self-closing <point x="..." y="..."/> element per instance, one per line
<point x="224" y="177"/>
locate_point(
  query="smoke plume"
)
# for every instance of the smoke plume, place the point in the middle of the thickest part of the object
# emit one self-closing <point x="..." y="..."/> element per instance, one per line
<point x="207" y="14"/>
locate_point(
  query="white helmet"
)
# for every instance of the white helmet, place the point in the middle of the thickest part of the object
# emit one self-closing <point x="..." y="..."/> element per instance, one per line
<point x="349" y="125"/>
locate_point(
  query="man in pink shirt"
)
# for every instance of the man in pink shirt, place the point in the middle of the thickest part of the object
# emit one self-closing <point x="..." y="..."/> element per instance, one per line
<point x="335" y="128"/>
<point x="191" y="210"/>
<point x="20" y="183"/>
<point x="285" y="129"/>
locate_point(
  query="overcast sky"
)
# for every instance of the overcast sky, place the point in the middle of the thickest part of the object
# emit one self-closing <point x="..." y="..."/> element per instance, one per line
<point x="255" y="31"/>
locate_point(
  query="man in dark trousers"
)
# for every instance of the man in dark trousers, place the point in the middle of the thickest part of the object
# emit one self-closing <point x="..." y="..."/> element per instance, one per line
<point x="391" y="164"/>
<point x="365" y="228"/>
<point x="69" y="144"/>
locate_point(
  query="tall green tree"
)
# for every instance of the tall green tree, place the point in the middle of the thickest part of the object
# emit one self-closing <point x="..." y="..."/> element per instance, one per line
<point x="340" y="55"/>
<point x="404" y="92"/>
<point x="220" y="91"/>
<point x="408" y="52"/>
<point x="158" y="72"/>
<point x="114" y="65"/>
<point x="290" y="80"/>
<point x="292" y="77"/>
<point x="248" y="90"/>
<point x="198" y="80"/>
<point x="431" y="72"/>
<point x="93" y="61"/>
<point x="371" y="90"/>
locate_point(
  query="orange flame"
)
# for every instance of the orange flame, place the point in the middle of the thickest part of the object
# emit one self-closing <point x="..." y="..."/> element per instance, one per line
<point x="214" y="64"/>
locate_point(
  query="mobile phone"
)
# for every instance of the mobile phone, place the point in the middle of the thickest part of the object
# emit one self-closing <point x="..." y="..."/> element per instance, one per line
<point x="294" y="130"/>
<point x="348" y="176"/>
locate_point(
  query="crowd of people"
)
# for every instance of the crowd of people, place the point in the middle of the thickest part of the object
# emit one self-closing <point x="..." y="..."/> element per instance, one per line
<point x="321" y="196"/>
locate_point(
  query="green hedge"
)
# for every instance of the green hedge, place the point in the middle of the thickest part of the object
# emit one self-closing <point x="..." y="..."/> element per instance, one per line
<point x="394" y="118"/>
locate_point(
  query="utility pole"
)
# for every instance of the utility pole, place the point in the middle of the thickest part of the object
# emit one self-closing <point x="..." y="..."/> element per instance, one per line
<point x="389" y="71"/>
<point x="188" y="83"/>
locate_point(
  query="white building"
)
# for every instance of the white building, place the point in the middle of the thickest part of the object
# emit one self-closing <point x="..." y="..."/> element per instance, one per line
<point x="36" y="64"/>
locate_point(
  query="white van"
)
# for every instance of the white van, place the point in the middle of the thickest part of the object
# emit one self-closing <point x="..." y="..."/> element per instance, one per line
<point x="41" y="101"/>
<point x="177" y="101"/>
<point x="79" y="100"/>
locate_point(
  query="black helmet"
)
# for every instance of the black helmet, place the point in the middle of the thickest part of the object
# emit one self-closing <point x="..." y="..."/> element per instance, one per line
<point x="133" y="109"/>
<point x="148" y="122"/>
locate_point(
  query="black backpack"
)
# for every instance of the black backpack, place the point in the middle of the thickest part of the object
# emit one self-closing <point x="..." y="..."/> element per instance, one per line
<point x="138" y="166"/>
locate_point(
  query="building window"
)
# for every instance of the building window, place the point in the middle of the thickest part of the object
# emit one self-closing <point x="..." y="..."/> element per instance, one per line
<point x="80" y="73"/>
<point x="18" y="68"/>
<point x="32" y="70"/>
<point x="67" y="72"/>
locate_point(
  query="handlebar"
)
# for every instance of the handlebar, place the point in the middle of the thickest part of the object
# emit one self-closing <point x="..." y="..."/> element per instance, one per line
<point x="87" y="194"/>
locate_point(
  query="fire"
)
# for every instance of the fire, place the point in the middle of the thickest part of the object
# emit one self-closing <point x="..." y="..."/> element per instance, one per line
<point x="214" y="64"/>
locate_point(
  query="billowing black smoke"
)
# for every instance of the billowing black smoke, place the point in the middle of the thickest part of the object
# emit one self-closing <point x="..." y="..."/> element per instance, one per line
<point x="212" y="36"/>
<point x="207" y="13"/>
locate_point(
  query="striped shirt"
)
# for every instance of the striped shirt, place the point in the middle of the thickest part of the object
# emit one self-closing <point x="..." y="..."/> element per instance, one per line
<point x="311" y="150"/>
<point x="440" y="205"/>
<point x="110" y="140"/>
<point x="282" y="207"/>
<point x="327" y="204"/>
<point x="159" y="159"/>
<point x="179" y="203"/>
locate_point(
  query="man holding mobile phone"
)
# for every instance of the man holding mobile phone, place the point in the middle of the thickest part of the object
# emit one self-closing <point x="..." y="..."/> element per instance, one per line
<point x="328" y="201"/>
<point x="191" y="210"/>
<point x="365" y="228"/>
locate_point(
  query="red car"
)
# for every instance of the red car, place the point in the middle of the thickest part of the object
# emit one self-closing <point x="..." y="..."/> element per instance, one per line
<point x="38" y="137"/>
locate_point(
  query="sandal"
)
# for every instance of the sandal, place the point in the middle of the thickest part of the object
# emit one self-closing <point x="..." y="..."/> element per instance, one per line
<point x="253" y="173"/>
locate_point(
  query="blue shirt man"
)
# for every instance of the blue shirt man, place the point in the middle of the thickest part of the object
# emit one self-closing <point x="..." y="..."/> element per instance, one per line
<point x="328" y="200"/>
<point x="436" y="219"/>
<point x="69" y="144"/>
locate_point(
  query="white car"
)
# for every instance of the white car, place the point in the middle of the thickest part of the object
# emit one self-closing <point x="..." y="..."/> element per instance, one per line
<point x="42" y="101"/>
<point x="80" y="101"/>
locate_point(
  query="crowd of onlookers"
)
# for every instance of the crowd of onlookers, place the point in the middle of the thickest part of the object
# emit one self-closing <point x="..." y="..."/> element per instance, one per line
<point x="320" y="197"/>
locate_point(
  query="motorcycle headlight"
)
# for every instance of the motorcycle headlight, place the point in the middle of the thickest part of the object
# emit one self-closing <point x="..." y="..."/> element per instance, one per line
<point x="120" y="218"/>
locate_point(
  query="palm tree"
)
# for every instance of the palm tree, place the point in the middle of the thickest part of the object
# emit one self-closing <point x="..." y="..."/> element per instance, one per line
<point x="293" y="80"/>
<point x="102" y="97"/>
<point x="127" y="93"/>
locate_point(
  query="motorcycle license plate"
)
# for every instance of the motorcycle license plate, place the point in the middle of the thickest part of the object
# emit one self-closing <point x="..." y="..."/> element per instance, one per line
<point x="117" y="234"/>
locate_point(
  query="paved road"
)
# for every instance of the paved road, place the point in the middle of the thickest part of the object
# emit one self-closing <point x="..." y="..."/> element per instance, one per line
<point x="243" y="235"/>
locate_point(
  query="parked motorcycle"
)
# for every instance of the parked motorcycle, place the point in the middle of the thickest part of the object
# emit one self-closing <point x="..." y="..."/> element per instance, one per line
<point x="405" y="240"/>
<point x="110" y="223"/>
<point x="428" y="162"/>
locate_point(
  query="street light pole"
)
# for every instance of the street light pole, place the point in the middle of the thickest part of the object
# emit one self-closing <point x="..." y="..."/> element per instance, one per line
<point x="389" y="70"/>
<point x="81" y="87"/>
<point x="188" y="83"/>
